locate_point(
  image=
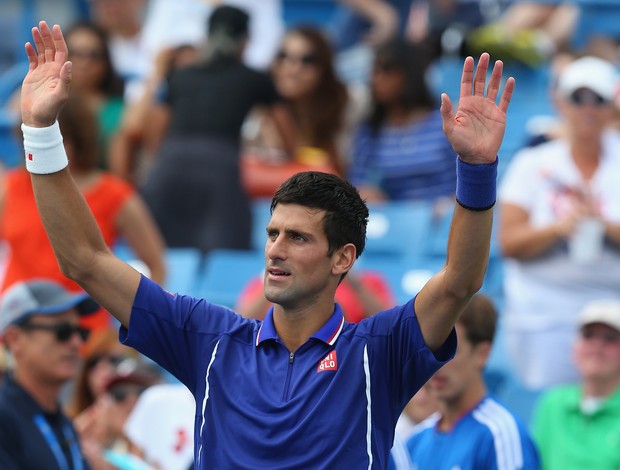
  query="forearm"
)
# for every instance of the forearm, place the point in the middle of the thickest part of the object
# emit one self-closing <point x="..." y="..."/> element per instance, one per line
<point x="70" y="226"/>
<point x="529" y="242"/>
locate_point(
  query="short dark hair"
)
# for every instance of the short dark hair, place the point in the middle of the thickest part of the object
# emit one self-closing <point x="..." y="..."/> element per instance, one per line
<point x="346" y="215"/>
<point x="231" y="21"/>
<point x="479" y="319"/>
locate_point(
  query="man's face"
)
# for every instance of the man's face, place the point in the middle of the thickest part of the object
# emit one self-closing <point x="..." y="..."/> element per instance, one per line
<point x="451" y="382"/>
<point x="597" y="352"/>
<point x="298" y="270"/>
<point x="38" y="350"/>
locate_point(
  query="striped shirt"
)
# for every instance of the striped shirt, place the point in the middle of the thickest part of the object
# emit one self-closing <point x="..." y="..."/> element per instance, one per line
<point x="410" y="162"/>
<point x="488" y="437"/>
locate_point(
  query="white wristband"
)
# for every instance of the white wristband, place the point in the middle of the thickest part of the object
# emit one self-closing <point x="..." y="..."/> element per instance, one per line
<point x="44" y="150"/>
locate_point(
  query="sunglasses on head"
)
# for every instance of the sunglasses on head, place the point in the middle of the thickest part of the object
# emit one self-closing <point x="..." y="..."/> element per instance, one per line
<point x="63" y="331"/>
<point x="305" y="59"/>
<point x="587" y="97"/>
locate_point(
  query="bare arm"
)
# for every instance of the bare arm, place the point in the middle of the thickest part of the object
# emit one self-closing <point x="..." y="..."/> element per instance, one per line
<point x="75" y="237"/>
<point x="380" y="14"/>
<point x="137" y="226"/>
<point x="520" y="240"/>
<point x="475" y="132"/>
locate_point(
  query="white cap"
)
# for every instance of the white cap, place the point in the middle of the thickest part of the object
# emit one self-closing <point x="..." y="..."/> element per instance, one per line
<point x="592" y="73"/>
<point x="601" y="311"/>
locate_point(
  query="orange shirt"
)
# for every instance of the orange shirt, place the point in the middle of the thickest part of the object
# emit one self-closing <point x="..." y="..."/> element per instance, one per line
<point x="31" y="255"/>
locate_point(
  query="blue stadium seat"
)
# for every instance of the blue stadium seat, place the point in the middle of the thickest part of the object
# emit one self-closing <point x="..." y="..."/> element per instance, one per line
<point x="260" y="219"/>
<point x="397" y="228"/>
<point x="182" y="265"/>
<point x="226" y="273"/>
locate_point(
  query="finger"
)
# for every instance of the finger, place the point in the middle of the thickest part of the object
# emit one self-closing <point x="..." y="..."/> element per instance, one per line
<point x="507" y="94"/>
<point x="496" y="78"/>
<point x="481" y="74"/>
<point x="447" y="117"/>
<point x="65" y="76"/>
<point x="48" y="42"/>
<point x="32" y="56"/>
<point x="38" y="42"/>
<point x="467" y="77"/>
<point x="59" y="45"/>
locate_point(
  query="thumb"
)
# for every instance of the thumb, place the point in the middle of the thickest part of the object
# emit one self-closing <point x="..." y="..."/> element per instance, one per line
<point x="447" y="117"/>
<point x="65" y="76"/>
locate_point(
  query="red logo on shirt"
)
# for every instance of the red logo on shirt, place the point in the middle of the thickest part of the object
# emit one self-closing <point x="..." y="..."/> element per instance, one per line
<point x="330" y="362"/>
<point x="30" y="156"/>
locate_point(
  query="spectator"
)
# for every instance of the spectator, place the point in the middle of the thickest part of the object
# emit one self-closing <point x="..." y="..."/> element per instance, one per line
<point x="95" y="79"/>
<point x="360" y="295"/>
<point x="119" y="211"/>
<point x="321" y="110"/>
<point x="103" y="353"/>
<point x="122" y="20"/>
<point x="552" y="194"/>
<point x="346" y="381"/>
<point x="528" y="32"/>
<point x="145" y="121"/>
<point x="400" y="152"/>
<point x="578" y="426"/>
<point x="39" y="322"/>
<point x="472" y="430"/>
<point x="106" y="427"/>
<point x="194" y="185"/>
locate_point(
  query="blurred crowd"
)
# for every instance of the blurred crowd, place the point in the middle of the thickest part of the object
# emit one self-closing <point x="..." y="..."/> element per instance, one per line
<point x="183" y="114"/>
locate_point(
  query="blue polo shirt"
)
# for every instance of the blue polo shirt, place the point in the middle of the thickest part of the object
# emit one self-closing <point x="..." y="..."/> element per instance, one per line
<point x="333" y="403"/>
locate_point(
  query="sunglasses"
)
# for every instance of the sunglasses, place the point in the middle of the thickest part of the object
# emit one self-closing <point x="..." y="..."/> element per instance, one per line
<point x="305" y="59"/>
<point x="119" y="394"/>
<point x="112" y="360"/>
<point x="63" y="331"/>
<point x="609" y="337"/>
<point x="385" y="67"/>
<point x="88" y="55"/>
<point x="587" y="97"/>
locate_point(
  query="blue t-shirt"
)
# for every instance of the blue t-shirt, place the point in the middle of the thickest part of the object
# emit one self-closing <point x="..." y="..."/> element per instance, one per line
<point x="333" y="403"/>
<point x="488" y="437"/>
<point x="409" y="162"/>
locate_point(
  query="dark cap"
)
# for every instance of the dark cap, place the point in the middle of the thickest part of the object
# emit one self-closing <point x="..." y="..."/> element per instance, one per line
<point x="40" y="297"/>
<point x="229" y="20"/>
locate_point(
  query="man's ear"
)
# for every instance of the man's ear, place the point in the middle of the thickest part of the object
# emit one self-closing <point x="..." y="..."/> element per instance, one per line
<point x="482" y="353"/>
<point x="344" y="258"/>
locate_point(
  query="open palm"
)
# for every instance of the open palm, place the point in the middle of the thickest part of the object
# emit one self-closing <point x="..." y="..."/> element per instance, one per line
<point x="46" y="85"/>
<point x="477" y="128"/>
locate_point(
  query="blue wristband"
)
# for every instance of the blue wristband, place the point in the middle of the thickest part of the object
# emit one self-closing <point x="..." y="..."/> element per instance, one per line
<point x="476" y="185"/>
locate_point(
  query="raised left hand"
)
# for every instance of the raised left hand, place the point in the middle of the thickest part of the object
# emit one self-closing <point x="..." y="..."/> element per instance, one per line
<point x="477" y="129"/>
<point x="46" y="86"/>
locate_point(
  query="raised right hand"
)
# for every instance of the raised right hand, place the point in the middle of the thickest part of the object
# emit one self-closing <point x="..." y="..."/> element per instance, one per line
<point x="46" y="85"/>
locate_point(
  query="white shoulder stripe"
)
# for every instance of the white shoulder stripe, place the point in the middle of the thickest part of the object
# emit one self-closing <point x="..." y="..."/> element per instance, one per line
<point x="368" y="408"/>
<point x="206" y="398"/>
<point x="506" y="436"/>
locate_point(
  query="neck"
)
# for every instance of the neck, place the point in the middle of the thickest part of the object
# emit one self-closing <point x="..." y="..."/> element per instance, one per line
<point x="600" y="388"/>
<point x="295" y="326"/>
<point x="586" y="154"/>
<point x="44" y="393"/>
<point x="453" y="411"/>
<point x="398" y="115"/>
